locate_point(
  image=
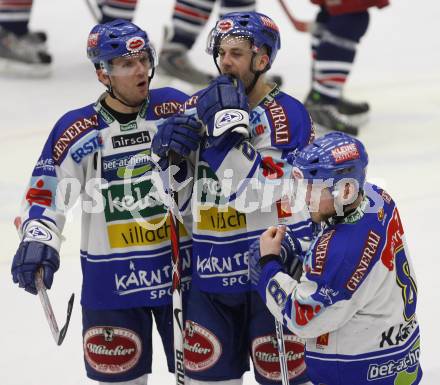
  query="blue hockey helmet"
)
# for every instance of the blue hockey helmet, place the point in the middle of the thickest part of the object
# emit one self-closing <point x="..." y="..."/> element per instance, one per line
<point x="259" y="29"/>
<point x="118" y="38"/>
<point x="333" y="156"/>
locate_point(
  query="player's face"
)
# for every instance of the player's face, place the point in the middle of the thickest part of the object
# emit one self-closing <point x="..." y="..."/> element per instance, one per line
<point x="235" y="58"/>
<point x="320" y="202"/>
<point x="129" y="77"/>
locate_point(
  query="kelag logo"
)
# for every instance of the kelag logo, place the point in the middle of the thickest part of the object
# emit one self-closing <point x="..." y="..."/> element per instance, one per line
<point x="123" y="201"/>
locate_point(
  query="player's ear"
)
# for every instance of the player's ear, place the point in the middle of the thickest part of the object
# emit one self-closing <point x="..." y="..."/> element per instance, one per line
<point x="351" y="192"/>
<point x="262" y="59"/>
<point x="263" y="62"/>
<point x="103" y="77"/>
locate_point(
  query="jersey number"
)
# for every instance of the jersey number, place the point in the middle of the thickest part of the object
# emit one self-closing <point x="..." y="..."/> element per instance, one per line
<point x="407" y="284"/>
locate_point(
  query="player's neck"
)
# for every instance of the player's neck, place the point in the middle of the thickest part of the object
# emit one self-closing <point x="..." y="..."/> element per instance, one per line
<point x="261" y="89"/>
<point x="120" y="107"/>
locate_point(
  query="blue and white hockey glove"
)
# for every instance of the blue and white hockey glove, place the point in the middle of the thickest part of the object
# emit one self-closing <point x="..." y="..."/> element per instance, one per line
<point x="36" y="250"/>
<point x="290" y="259"/>
<point x="254" y="262"/>
<point x="180" y="134"/>
<point x="223" y="107"/>
<point x="292" y="256"/>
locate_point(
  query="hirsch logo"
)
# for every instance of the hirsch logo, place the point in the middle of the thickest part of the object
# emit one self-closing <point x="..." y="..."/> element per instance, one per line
<point x="225" y="25"/>
<point x="142" y="137"/>
<point x="38" y="233"/>
<point x="135" y="43"/>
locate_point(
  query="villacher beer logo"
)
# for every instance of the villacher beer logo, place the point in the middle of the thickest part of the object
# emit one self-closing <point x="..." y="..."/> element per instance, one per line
<point x="135" y="44"/>
<point x="266" y="359"/>
<point x="92" y="40"/>
<point x="202" y="348"/>
<point x="111" y="350"/>
<point x="224" y="26"/>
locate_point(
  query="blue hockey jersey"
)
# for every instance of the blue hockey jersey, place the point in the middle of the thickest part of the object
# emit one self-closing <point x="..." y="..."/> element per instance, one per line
<point x="125" y="243"/>
<point x="355" y="303"/>
<point x="239" y="193"/>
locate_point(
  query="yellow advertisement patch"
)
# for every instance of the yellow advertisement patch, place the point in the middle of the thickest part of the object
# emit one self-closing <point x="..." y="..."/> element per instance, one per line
<point x="214" y="220"/>
<point x="141" y="233"/>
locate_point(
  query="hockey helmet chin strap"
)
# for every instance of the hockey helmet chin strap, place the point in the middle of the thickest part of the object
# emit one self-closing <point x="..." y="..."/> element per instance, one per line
<point x="256" y="74"/>
<point x="112" y="94"/>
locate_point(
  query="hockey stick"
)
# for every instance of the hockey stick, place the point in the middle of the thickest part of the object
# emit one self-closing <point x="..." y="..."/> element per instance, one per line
<point x="282" y="352"/>
<point x="58" y="335"/>
<point x="301" y="26"/>
<point x="284" y="370"/>
<point x="178" y="330"/>
<point x="94" y="10"/>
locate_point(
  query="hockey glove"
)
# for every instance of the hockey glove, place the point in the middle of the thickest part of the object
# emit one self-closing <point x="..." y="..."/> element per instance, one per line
<point x="36" y="250"/>
<point x="223" y="107"/>
<point x="254" y="265"/>
<point x="180" y="134"/>
<point x="290" y="258"/>
<point x="29" y="258"/>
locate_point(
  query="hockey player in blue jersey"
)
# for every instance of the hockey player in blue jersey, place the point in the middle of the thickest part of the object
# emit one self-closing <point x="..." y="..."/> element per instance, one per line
<point x="102" y="152"/>
<point x="355" y="303"/>
<point x="250" y="127"/>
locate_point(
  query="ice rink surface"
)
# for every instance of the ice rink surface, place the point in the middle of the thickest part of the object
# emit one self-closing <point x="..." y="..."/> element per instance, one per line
<point x="397" y="70"/>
